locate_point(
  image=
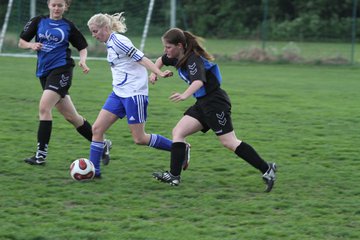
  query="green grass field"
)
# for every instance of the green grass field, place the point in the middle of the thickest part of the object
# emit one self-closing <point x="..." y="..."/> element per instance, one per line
<point x="306" y="118"/>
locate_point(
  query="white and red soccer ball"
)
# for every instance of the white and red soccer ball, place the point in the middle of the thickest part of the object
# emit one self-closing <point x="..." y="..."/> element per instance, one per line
<point x="82" y="169"/>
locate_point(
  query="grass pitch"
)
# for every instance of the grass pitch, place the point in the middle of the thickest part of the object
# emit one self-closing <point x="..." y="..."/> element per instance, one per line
<point x="306" y="118"/>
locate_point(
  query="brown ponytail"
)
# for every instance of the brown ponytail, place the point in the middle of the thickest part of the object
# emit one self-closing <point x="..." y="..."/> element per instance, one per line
<point x="190" y="42"/>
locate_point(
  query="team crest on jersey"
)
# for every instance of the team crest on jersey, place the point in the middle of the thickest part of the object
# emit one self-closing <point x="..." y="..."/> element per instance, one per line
<point x="54" y="35"/>
<point x="193" y="69"/>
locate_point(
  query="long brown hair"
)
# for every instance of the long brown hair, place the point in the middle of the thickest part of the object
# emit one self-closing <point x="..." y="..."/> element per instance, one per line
<point x="190" y="42"/>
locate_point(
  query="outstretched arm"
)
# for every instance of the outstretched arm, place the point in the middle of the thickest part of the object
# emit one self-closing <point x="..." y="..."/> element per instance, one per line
<point x="154" y="68"/>
<point x="153" y="77"/>
<point x="194" y="86"/>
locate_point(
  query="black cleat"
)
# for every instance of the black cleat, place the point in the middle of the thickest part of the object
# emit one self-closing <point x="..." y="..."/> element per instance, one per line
<point x="269" y="177"/>
<point x="106" y="151"/>
<point x="35" y="161"/>
<point x="167" y="177"/>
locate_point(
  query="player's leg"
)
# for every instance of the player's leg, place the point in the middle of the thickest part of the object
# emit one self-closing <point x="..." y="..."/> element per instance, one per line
<point x="136" y="112"/>
<point x="243" y="150"/>
<point x="47" y="102"/>
<point x="103" y="122"/>
<point x="185" y="127"/>
<point x="55" y="86"/>
<point x="249" y="154"/>
<point x="140" y="137"/>
<point x="66" y="107"/>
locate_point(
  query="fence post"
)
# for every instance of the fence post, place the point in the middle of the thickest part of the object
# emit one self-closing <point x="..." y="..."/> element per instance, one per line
<point x="147" y="23"/>
<point x="32" y="8"/>
<point x="6" y="22"/>
<point x="173" y="14"/>
<point x="264" y="25"/>
<point x="353" y="35"/>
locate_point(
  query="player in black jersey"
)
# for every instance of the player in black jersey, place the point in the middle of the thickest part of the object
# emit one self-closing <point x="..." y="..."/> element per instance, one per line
<point x="212" y="109"/>
<point x="53" y="33"/>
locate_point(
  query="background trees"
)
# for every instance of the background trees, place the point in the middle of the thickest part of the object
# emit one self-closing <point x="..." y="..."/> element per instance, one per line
<point x="287" y="19"/>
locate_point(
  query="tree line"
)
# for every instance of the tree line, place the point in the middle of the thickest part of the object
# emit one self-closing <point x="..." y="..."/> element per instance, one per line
<point x="285" y="19"/>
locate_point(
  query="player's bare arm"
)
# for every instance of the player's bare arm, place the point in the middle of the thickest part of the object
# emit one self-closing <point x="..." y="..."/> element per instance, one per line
<point x="153" y="77"/>
<point x="82" y="62"/>
<point x="36" y="46"/>
<point x="194" y="86"/>
<point x="155" y="69"/>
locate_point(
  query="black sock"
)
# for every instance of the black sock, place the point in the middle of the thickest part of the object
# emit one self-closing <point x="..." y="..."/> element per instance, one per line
<point x="43" y="137"/>
<point x="177" y="157"/>
<point x="85" y="130"/>
<point x="246" y="152"/>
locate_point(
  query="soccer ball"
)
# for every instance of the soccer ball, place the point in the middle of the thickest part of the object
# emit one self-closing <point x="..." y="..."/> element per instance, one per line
<point x="82" y="169"/>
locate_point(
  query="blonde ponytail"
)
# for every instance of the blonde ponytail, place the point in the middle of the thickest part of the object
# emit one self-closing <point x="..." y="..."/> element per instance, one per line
<point x="116" y="22"/>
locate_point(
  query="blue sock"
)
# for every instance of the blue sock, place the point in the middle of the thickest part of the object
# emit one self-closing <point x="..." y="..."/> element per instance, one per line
<point x="96" y="150"/>
<point x="160" y="142"/>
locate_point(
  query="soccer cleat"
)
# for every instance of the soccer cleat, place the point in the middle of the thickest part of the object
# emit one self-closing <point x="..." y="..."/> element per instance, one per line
<point x="167" y="177"/>
<point x="106" y="151"/>
<point x="186" y="162"/>
<point x="35" y="160"/>
<point x="269" y="177"/>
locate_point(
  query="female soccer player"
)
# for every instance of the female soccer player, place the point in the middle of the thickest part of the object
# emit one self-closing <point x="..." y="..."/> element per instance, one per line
<point x="211" y="110"/>
<point x="130" y="86"/>
<point x="55" y="70"/>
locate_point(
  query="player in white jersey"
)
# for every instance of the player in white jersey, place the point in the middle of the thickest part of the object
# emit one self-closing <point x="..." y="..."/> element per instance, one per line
<point x="130" y="86"/>
<point x="129" y="77"/>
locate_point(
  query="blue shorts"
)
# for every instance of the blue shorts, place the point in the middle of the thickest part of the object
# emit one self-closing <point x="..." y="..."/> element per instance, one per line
<point x="135" y="107"/>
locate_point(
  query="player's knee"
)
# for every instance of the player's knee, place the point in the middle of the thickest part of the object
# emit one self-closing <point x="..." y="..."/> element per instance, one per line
<point x="97" y="131"/>
<point x="44" y="112"/>
<point x="177" y="133"/>
<point x="228" y="144"/>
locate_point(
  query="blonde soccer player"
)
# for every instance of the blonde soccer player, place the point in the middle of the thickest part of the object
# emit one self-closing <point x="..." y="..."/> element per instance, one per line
<point x="129" y="96"/>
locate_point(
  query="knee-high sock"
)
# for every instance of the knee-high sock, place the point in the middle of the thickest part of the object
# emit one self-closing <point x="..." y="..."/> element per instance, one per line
<point x="96" y="150"/>
<point x="85" y="130"/>
<point x="160" y="142"/>
<point x="43" y="137"/>
<point x="248" y="153"/>
<point x="177" y="157"/>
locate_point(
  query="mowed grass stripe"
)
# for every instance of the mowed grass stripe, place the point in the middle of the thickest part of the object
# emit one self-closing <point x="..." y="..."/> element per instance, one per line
<point x="306" y="118"/>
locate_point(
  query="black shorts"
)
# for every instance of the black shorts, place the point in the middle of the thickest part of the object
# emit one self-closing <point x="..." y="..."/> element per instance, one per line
<point x="59" y="80"/>
<point x="213" y="112"/>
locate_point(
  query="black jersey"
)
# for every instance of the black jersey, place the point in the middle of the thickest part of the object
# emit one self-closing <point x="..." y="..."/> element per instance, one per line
<point x="198" y="68"/>
<point x="55" y="35"/>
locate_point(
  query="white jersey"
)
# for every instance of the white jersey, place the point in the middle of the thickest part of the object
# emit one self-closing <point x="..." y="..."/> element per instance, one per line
<point x="130" y="78"/>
